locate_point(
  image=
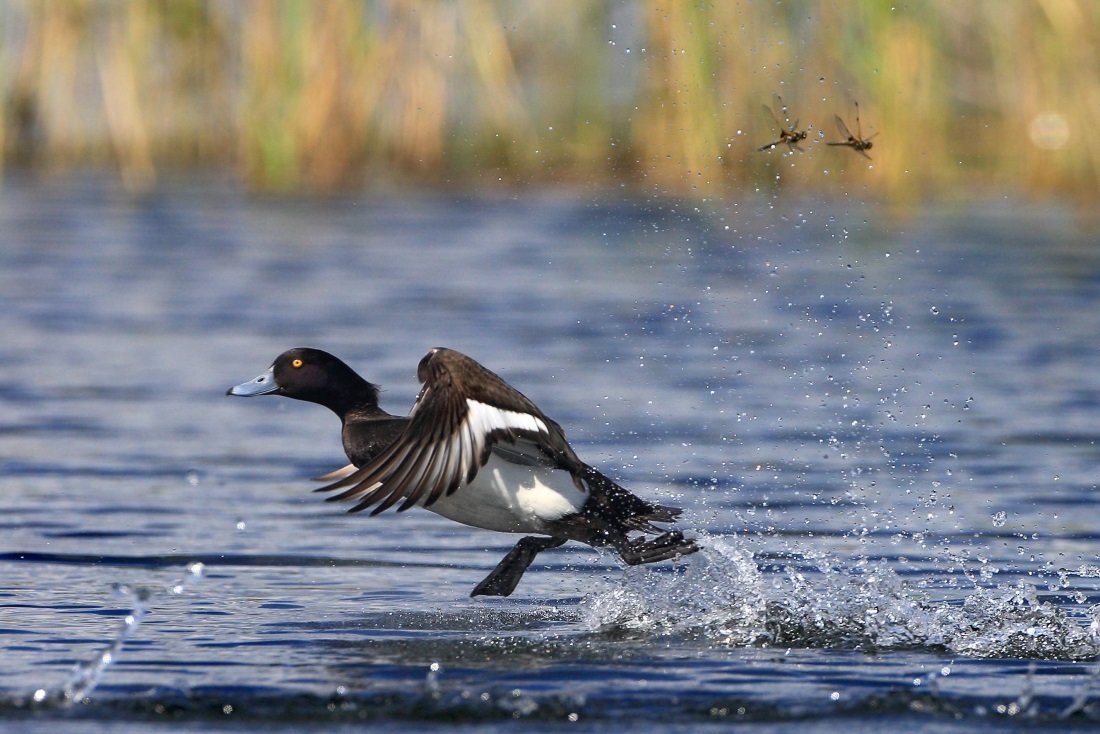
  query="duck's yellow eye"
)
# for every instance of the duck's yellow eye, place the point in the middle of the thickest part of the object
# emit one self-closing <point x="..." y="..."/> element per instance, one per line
<point x="295" y="363"/>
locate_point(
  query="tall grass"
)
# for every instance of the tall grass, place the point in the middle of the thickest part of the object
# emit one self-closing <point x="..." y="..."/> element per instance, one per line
<point x="983" y="95"/>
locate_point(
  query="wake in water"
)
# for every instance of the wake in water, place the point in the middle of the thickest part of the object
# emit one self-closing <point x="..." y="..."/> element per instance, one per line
<point x="724" y="597"/>
<point x="87" y="673"/>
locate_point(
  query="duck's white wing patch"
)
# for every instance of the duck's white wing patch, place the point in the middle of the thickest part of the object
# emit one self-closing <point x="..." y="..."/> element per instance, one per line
<point x="484" y="418"/>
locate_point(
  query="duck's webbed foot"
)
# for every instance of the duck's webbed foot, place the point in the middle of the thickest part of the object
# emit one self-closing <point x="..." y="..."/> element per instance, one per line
<point x="661" y="548"/>
<point x="504" y="578"/>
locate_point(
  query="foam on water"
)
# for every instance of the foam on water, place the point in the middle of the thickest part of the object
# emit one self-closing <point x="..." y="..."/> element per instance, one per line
<point x="725" y="597"/>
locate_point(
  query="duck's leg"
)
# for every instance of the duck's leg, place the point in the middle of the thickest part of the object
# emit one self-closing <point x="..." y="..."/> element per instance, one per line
<point x="504" y="578"/>
<point x="661" y="548"/>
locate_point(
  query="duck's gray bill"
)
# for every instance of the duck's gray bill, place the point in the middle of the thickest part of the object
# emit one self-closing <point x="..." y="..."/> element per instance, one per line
<point x="261" y="385"/>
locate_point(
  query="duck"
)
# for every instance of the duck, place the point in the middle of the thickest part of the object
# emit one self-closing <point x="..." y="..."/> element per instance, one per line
<point x="474" y="450"/>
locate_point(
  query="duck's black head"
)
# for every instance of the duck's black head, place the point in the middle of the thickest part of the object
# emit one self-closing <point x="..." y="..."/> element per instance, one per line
<point x="314" y="376"/>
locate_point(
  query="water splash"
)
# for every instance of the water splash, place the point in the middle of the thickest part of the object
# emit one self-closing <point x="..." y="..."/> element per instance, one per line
<point x="724" y="597"/>
<point x="86" y="674"/>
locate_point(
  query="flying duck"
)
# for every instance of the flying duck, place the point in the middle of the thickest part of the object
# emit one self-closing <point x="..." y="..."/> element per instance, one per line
<point x="474" y="450"/>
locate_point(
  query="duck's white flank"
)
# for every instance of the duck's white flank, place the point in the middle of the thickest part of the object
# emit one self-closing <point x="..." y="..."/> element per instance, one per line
<point x="512" y="498"/>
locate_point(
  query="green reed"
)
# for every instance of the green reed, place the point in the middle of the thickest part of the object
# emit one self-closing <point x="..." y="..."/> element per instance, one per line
<point x="977" y="96"/>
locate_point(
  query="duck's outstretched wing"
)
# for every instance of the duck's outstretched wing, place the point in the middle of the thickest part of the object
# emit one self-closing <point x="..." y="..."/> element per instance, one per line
<point x="463" y="411"/>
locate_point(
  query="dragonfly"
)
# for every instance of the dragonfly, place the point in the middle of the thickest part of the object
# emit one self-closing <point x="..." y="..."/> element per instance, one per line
<point x="856" y="142"/>
<point x="789" y="133"/>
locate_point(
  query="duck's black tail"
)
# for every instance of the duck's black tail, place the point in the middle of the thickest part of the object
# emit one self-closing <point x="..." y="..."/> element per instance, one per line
<point x="618" y="511"/>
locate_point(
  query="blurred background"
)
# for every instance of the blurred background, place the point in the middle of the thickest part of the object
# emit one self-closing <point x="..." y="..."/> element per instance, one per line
<point x="965" y="97"/>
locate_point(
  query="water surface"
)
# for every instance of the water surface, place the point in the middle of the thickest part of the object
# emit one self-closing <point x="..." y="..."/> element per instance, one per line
<point x="883" y="427"/>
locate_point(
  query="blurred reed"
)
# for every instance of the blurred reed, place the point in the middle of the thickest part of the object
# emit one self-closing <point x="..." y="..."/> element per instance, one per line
<point x="982" y="96"/>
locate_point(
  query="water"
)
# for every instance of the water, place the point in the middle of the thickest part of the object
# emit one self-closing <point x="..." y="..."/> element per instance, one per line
<point x="881" y="423"/>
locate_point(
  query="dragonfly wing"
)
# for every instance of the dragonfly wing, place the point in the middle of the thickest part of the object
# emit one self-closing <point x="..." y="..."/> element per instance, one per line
<point x="842" y="127"/>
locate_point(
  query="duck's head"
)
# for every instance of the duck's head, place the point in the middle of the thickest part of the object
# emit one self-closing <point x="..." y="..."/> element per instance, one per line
<point x="311" y="375"/>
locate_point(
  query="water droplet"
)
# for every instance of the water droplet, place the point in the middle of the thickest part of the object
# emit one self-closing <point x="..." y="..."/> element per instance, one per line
<point x="999" y="519"/>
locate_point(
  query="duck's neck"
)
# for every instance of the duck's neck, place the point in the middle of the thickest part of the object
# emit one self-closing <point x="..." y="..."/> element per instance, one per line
<point x="365" y="410"/>
<point x="358" y="398"/>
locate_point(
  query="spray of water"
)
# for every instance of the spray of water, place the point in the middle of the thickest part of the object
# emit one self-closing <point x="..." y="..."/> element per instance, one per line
<point x="725" y="598"/>
<point x="86" y="674"/>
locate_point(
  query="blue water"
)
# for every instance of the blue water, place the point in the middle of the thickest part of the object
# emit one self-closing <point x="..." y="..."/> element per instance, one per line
<point x="882" y="424"/>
